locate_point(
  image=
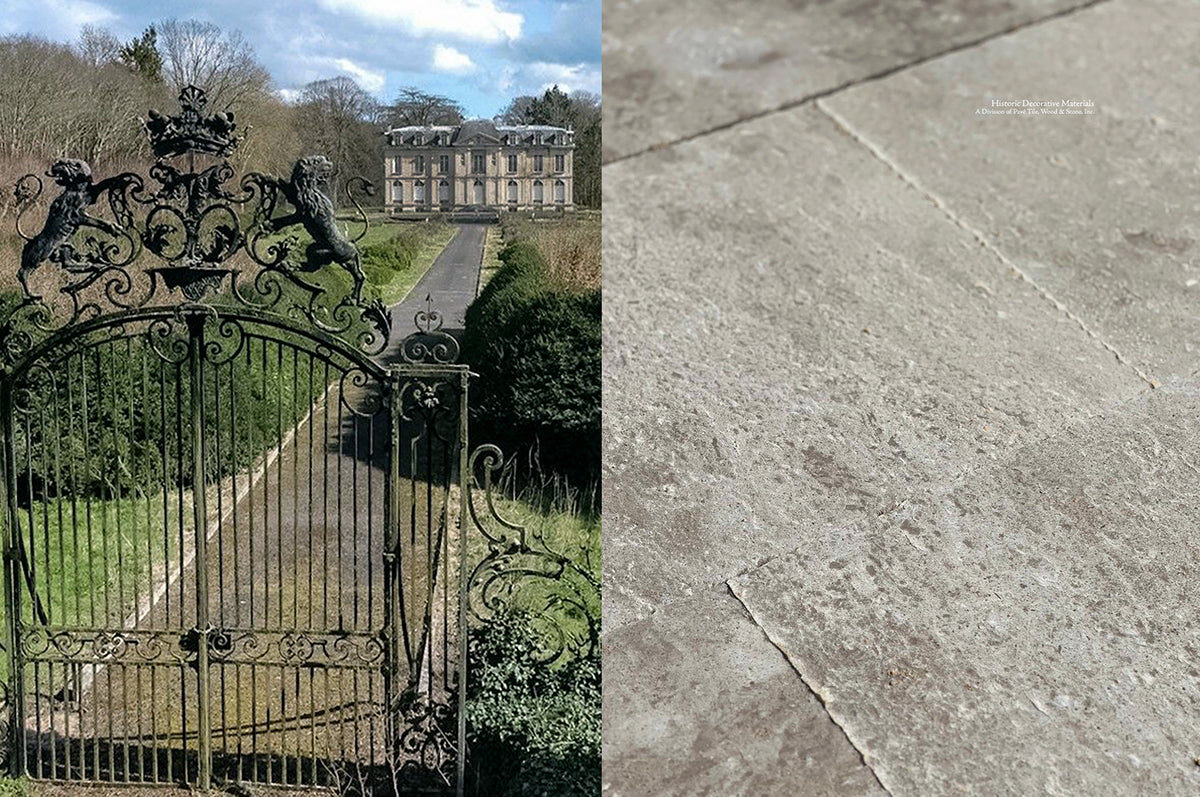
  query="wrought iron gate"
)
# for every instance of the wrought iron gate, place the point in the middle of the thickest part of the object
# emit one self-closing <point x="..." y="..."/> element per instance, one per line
<point x="236" y="508"/>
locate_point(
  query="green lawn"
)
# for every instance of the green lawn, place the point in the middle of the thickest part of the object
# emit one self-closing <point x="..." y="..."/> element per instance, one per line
<point x="91" y="559"/>
<point x="491" y="250"/>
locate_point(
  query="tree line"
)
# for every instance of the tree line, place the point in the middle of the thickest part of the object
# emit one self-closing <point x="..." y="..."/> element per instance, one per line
<point x="83" y="100"/>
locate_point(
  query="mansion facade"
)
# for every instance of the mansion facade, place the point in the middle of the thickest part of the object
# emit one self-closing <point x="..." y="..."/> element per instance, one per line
<point x="478" y="164"/>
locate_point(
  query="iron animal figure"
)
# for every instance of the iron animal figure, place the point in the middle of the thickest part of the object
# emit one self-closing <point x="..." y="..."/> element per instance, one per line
<point x="68" y="213"/>
<point x="314" y="211"/>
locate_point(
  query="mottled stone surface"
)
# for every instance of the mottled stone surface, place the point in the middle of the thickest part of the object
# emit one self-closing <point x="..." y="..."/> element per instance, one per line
<point x="805" y="344"/>
<point x="1103" y="211"/>
<point x="698" y="701"/>
<point x="884" y="365"/>
<point x="674" y="68"/>
<point x="1029" y="630"/>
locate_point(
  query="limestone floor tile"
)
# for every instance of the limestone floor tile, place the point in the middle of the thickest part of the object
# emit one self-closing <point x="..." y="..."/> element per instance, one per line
<point x="673" y="68"/>
<point x="1030" y="630"/>
<point x="1100" y="210"/>
<point x="794" y="337"/>
<point x="698" y="701"/>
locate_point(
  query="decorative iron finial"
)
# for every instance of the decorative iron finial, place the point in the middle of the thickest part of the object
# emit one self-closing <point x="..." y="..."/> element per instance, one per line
<point x="191" y="130"/>
<point x="430" y="343"/>
<point x="429" y="320"/>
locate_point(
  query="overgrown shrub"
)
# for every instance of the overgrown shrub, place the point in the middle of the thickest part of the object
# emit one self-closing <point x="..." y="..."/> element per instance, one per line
<point x="536" y="348"/>
<point x="534" y="729"/>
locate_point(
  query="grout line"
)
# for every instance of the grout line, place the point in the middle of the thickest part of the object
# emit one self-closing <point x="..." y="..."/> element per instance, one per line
<point x="980" y="237"/>
<point x="820" y="697"/>
<point x="880" y="75"/>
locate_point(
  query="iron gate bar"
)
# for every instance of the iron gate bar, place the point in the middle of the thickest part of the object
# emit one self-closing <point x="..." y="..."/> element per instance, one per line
<point x="200" y="525"/>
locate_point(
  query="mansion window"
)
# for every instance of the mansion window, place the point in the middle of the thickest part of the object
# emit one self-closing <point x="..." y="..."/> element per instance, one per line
<point x="396" y="165"/>
<point x="560" y="163"/>
<point x="512" y="164"/>
<point x="537" y="164"/>
<point x="418" y="164"/>
<point x="443" y="164"/>
<point x="478" y="163"/>
<point x="419" y="191"/>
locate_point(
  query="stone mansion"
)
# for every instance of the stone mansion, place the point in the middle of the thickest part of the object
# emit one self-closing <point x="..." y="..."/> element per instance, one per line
<point x="478" y="164"/>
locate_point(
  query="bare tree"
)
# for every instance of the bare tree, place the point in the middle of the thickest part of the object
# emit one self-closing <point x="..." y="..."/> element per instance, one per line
<point x="220" y="62"/>
<point x="518" y="111"/>
<point x="336" y="118"/>
<point x="415" y="107"/>
<point x="98" y="47"/>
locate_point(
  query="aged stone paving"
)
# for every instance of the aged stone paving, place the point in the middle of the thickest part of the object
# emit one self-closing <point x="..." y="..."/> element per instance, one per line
<point x="900" y="402"/>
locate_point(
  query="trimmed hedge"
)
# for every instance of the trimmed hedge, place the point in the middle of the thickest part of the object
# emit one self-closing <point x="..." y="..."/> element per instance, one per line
<point x="536" y="348"/>
<point x="382" y="261"/>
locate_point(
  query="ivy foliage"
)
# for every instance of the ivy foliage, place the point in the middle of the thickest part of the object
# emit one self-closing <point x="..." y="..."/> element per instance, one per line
<point x="535" y="728"/>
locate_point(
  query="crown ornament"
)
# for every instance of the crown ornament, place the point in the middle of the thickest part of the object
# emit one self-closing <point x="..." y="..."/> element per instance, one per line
<point x="192" y="130"/>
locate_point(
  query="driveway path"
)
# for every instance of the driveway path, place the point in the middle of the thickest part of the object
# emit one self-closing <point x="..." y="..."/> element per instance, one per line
<point x="450" y="284"/>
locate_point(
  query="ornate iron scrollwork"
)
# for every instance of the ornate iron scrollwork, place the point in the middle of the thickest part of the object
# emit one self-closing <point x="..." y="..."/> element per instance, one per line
<point x="567" y="614"/>
<point x="202" y="231"/>
<point x="430" y="343"/>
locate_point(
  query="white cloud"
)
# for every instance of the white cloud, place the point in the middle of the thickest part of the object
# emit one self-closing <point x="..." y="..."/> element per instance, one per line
<point x="447" y="59"/>
<point x="568" y="77"/>
<point x="370" y="80"/>
<point x="477" y="20"/>
<point x="59" y="16"/>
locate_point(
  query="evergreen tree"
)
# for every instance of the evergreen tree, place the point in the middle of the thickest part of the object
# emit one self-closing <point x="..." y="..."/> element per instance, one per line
<point x="141" y="56"/>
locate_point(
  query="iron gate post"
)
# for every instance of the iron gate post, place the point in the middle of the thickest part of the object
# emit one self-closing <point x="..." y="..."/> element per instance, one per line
<point x="15" y="742"/>
<point x="463" y="556"/>
<point x="391" y="609"/>
<point x="195" y="325"/>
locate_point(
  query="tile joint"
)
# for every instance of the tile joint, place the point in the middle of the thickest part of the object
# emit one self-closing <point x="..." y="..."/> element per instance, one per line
<point x="862" y="755"/>
<point x="849" y="84"/>
<point x="941" y="205"/>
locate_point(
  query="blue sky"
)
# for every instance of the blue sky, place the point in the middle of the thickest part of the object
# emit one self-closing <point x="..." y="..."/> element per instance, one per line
<point x="480" y="52"/>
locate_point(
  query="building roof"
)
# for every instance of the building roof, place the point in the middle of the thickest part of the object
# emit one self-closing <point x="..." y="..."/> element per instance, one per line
<point x="472" y="128"/>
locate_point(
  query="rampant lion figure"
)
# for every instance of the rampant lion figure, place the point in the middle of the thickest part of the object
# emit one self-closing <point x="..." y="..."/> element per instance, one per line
<point x="66" y="215"/>
<point x="314" y="211"/>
